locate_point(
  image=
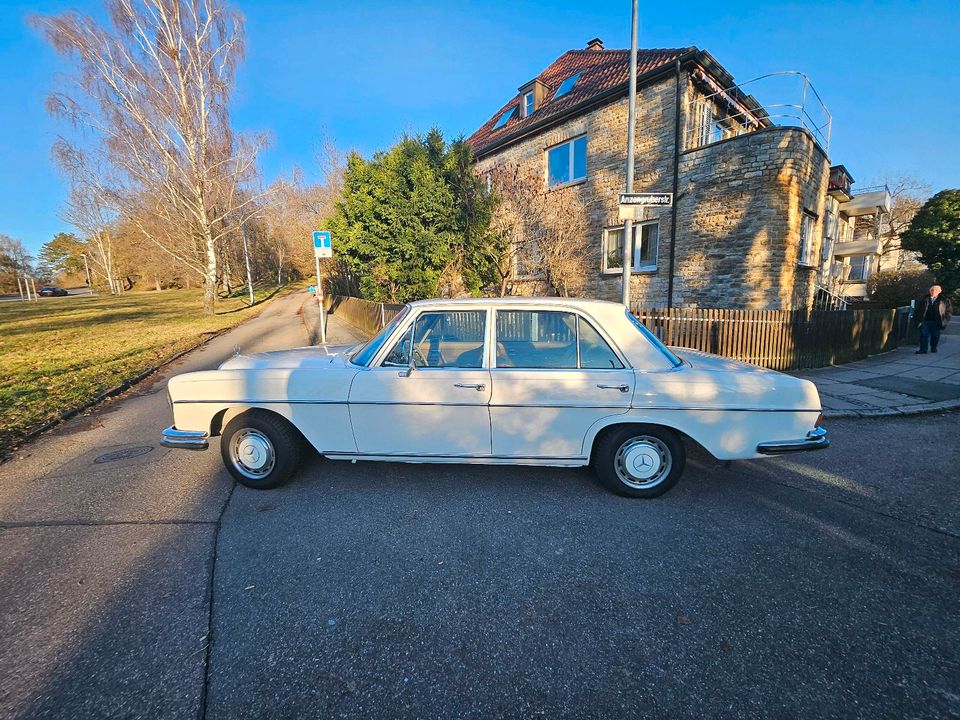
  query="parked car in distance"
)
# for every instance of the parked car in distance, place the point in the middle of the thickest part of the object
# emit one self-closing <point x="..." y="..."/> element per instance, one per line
<point x="52" y="291"/>
<point x="514" y="381"/>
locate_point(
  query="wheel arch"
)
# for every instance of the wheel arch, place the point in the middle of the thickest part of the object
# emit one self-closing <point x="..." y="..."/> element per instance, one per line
<point x="614" y="423"/>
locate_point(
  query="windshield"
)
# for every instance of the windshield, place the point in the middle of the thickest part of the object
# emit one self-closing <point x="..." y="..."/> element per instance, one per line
<point x="674" y="360"/>
<point x="365" y="354"/>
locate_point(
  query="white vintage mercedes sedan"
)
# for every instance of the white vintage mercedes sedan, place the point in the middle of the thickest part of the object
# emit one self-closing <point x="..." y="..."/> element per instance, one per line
<point x="515" y="381"/>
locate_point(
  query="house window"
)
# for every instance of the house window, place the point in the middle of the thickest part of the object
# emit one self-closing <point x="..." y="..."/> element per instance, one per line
<point x="567" y="162"/>
<point x="567" y="85"/>
<point x="710" y="127"/>
<point x="644" y="254"/>
<point x="505" y="118"/>
<point x="859" y="268"/>
<point x="807" y="223"/>
<point x="526" y="259"/>
<point x="704" y="123"/>
<point x="528" y="104"/>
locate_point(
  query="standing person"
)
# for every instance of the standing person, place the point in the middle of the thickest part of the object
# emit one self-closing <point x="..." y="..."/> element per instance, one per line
<point x="933" y="314"/>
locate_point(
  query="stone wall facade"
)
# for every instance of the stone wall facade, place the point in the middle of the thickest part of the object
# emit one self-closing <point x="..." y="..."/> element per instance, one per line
<point x="740" y="202"/>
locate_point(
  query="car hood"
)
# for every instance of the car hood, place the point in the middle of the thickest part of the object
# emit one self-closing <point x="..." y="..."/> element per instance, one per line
<point x="305" y="357"/>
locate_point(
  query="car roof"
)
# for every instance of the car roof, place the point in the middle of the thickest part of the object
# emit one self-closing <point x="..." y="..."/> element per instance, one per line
<point x="516" y="300"/>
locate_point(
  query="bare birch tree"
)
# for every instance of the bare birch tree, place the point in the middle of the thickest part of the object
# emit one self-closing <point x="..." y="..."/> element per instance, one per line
<point x="154" y="88"/>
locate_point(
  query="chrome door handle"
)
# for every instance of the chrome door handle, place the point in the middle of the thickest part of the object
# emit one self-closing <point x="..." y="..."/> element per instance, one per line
<point x="479" y="387"/>
<point x="621" y="388"/>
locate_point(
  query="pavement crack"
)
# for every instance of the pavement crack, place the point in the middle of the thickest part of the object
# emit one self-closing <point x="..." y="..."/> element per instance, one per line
<point x="205" y="689"/>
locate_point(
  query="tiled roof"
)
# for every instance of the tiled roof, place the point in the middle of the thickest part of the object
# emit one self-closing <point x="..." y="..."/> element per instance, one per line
<point x="600" y="71"/>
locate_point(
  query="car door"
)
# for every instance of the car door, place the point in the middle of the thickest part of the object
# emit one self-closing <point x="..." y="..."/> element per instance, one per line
<point x="436" y="406"/>
<point x="554" y="375"/>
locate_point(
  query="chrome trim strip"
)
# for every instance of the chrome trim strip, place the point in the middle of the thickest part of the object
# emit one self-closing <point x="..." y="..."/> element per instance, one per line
<point x="335" y="454"/>
<point x="184" y="439"/>
<point x="501" y="405"/>
<point x="816" y="440"/>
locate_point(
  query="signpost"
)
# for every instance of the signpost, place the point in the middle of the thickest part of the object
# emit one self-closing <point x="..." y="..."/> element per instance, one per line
<point x="322" y="248"/>
<point x="633" y="204"/>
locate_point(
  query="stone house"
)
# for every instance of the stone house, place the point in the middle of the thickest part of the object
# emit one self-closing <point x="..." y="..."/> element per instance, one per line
<point x="854" y="225"/>
<point x="750" y="195"/>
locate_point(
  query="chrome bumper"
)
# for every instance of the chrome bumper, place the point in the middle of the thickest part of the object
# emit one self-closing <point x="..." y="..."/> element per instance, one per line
<point x="185" y="439"/>
<point x="816" y="440"/>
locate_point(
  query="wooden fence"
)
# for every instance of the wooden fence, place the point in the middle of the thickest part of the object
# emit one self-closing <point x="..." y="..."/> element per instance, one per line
<point x="777" y="339"/>
<point x="780" y="339"/>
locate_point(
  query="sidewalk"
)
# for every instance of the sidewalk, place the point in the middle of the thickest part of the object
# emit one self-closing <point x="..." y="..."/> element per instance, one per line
<point x="894" y="383"/>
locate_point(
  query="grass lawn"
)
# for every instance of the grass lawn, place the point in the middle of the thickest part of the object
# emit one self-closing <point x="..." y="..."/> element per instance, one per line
<point x="56" y="354"/>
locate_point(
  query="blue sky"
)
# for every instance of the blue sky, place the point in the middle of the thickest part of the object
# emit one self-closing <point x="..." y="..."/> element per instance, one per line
<point x="364" y="72"/>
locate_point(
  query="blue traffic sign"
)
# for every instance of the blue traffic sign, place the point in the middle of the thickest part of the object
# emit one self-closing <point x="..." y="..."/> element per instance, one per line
<point x="321" y="239"/>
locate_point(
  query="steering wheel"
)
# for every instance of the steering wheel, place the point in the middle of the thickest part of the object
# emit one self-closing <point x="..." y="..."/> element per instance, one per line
<point x="418" y="358"/>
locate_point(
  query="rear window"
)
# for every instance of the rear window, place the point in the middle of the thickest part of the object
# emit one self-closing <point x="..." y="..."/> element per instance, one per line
<point x="654" y="340"/>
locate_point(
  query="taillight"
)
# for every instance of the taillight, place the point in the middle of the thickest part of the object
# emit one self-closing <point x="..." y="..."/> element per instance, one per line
<point x="819" y="421"/>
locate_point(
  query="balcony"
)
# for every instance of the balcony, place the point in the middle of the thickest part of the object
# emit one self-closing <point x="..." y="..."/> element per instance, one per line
<point x="840" y="182"/>
<point x="868" y="201"/>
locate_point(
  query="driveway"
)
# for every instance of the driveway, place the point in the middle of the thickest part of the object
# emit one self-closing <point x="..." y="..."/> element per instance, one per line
<point x="149" y="586"/>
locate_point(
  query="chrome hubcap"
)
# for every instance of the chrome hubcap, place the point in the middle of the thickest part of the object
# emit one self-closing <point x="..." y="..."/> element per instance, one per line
<point x="252" y="453"/>
<point x="643" y="461"/>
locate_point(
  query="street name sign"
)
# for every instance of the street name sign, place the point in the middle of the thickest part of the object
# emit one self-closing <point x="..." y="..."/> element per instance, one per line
<point x="633" y="204"/>
<point x="322" y="245"/>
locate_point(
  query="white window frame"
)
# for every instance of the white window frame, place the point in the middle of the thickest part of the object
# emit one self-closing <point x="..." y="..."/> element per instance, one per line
<point x="534" y="261"/>
<point x="570" y="160"/>
<point x="523" y="104"/>
<point x="808" y="221"/>
<point x="634" y="269"/>
<point x="866" y="269"/>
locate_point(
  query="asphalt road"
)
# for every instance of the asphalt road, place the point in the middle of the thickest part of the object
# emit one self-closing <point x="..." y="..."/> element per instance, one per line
<point x="815" y="586"/>
<point x="71" y="292"/>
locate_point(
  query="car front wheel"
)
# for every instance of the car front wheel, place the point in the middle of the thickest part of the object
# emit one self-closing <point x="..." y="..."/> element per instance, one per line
<point x="640" y="461"/>
<point x="261" y="450"/>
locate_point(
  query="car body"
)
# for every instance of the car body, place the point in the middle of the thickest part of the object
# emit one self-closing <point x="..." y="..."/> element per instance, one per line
<point x="52" y="291"/>
<point x="518" y="381"/>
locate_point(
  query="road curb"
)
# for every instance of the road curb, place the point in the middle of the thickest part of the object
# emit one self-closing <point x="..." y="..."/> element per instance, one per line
<point x="901" y="411"/>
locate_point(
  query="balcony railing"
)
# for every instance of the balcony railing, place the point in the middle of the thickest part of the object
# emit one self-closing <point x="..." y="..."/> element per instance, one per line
<point x="792" y="101"/>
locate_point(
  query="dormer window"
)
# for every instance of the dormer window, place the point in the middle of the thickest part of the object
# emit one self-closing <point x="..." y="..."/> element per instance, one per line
<point x="567" y="85"/>
<point x="505" y="118"/>
<point x="528" y="104"/>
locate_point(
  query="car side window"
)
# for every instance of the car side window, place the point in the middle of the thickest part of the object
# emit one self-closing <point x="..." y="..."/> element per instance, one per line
<point x="536" y="339"/>
<point x="595" y="353"/>
<point x="442" y="340"/>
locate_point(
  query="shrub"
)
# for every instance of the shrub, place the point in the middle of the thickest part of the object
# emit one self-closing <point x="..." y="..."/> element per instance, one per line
<point x="895" y="288"/>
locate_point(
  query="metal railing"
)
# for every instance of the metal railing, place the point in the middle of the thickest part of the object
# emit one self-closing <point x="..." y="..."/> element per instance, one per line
<point x="792" y="106"/>
<point x="869" y="189"/>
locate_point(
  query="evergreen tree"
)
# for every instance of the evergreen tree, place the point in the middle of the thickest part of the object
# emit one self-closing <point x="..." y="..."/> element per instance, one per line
<point x="412" y="221"/>
<point x="935" y="233"/>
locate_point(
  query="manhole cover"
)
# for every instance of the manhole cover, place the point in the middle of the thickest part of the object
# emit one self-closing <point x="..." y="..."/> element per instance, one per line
<point x="123" y="454"/>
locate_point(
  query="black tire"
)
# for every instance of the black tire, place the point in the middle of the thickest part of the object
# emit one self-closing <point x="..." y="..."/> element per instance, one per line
<point x="271" y="443"/>
<point x="657" y="449"/>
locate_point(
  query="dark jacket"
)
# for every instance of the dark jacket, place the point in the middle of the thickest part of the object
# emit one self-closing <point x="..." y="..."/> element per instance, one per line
<point x="943" y="306"/>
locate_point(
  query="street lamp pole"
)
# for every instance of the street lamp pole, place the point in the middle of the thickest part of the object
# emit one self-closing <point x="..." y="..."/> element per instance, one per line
<point x="631" y="131"/>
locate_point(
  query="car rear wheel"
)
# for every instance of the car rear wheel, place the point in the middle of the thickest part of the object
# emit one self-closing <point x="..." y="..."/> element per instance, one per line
<point x="640" y="461"/>
<point x="261" y="450"/>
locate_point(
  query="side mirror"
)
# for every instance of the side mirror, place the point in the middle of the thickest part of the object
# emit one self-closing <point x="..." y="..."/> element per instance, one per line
<point x="411" y="366"/>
